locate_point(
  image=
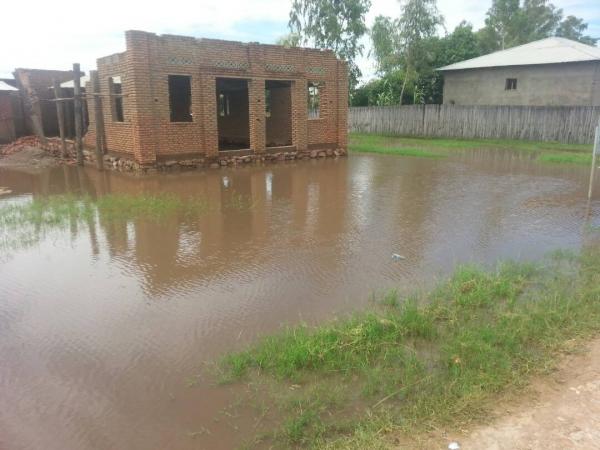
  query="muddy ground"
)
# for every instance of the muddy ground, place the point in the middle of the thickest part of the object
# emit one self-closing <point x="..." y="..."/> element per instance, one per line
<point x="560" y="411"/>
<point x="29" y="159"/>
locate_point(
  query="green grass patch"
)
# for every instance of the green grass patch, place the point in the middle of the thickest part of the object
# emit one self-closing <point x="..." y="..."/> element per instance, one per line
<point x="566" y="158"/>
<point x="391" y="150"/>
<point x="552" y="152"/>
<point x="409" y="366"/>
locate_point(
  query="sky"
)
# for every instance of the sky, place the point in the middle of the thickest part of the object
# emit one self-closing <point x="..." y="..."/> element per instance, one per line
<point x="51" y="35"/>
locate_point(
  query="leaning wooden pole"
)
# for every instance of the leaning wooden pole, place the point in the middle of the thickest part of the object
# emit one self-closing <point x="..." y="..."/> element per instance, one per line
<point x="98" y="119"/>
<point x="78" y="113"/>
<point x="60" y="114"/>
<point x="596" y="151"/>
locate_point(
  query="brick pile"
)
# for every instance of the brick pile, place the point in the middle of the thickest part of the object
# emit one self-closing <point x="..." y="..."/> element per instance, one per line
<point x="19" y="144"/>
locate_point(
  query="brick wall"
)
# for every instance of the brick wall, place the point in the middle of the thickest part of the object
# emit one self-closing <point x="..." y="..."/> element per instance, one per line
<point x="147" y="132"/>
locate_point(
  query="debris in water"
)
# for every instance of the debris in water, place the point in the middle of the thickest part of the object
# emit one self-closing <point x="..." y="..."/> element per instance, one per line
<point x="454" y="446"/>
<point x="397" y="257"/>
<point x="4" y="191"/>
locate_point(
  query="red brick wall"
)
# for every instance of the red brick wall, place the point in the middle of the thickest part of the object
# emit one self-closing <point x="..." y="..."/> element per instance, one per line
<point x="149" y="134"/>
<point x="119" y="135"/>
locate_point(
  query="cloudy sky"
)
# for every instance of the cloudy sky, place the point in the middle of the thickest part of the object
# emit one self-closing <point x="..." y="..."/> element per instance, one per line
<point x="51" y="35"/>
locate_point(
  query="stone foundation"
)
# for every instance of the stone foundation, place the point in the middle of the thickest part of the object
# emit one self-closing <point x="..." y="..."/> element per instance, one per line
<point x="125" y="164"/>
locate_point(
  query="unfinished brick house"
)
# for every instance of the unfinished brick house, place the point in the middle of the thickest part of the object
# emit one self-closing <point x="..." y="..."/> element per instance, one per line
<point x="185" y="98"/>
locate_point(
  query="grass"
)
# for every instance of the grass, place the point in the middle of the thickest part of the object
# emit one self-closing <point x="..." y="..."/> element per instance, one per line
<point x="409" y="366"/>
<point x="61" y="209"/>
<point x="24" y="223"/>
<point x="566" y="158"/>
<point x="551" y="152"/>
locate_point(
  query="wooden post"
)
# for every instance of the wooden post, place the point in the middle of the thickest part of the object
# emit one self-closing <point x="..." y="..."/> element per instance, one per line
<point x="78" y="113"/>
<point x="596" y="151"/>
<point x="60" y="113"/>
<point x="99" y="120"/>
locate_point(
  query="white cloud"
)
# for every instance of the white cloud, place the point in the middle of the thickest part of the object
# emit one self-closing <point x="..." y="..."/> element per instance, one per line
<point x="44" y="34"/>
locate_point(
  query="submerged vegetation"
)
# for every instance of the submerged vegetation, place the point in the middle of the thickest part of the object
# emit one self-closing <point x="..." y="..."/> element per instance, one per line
<point x="412" y="365"/>
<point x="25" y="222"/>
<point x="551" y="152"/>
<point x="61" y="209"/>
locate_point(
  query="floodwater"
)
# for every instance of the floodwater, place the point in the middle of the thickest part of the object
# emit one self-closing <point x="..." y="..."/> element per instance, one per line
<point x="105" y="326"/>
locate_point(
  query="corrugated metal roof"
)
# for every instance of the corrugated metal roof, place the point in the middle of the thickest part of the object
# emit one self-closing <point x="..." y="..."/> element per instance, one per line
<point x="553" y="50"/>
<point x="4" y="86"/>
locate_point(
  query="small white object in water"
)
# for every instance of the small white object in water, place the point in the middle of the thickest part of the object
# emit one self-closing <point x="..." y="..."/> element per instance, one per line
<point x="454" y="446"/>
<point x="397" y="257"/>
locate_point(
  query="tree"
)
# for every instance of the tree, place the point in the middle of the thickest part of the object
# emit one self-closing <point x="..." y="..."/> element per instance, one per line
<point x="501" y="24"/>
<point x="539" y="20"/>
<point x="289" y="40"/>
<point x="460" y="45"/>
<point x="510" y="23"/>
<point x="573" y="28"/>
<point x="384" y="48"/>
<point x="418" y="22"/>
<point x="337" y="25"/>
<point x="403" y="43"/>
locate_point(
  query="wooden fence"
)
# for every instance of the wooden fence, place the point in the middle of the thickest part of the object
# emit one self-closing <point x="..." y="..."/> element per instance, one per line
<point x="568" y="124"/>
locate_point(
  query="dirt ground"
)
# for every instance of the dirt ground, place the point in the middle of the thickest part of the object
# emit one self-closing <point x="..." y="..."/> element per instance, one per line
<point x="562" y="412"/>
<point x="28" y="159"/>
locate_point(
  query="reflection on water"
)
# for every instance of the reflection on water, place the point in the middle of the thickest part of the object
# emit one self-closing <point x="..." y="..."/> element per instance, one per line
<point x="103" y="322"/>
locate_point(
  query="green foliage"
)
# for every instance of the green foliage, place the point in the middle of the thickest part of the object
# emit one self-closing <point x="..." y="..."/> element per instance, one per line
<point x="384" y="40"/>
<point x="337" y="25"/>
<point x="403" y="44"/>
<point x="510" y="23"/>
<point x="407" y="50"/>
<point x="574" y="28"/>
<point x="289" y="40"/>
<point x="425" y="85"/>
<point x="435" y="360"/>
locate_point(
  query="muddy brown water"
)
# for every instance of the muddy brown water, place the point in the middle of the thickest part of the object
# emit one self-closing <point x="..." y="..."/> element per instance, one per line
<point x="104" y="326"/>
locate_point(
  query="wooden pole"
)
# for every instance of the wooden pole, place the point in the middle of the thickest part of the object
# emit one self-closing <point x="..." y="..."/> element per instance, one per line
<point x="78" y="113"/>
<point x="596" y="151"/>
<point x="99" y="120"/>
<point x="60" y="113"/>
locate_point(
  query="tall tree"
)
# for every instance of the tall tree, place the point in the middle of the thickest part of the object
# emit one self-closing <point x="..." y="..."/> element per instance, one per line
<point x="501" y="24"/>
<point x="403" y="43"/>
<point x="418" y="22"/>
<point x="384" y="44"/>
<point x="539" y="20"/>
<point x="511" y="22"/>
<point x="573" y="28"/>
<point x="337" y="25"/>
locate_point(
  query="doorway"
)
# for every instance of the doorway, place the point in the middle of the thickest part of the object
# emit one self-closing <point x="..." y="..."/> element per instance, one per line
<point x="278" y="111"/>
<point x="233" y="115"/>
